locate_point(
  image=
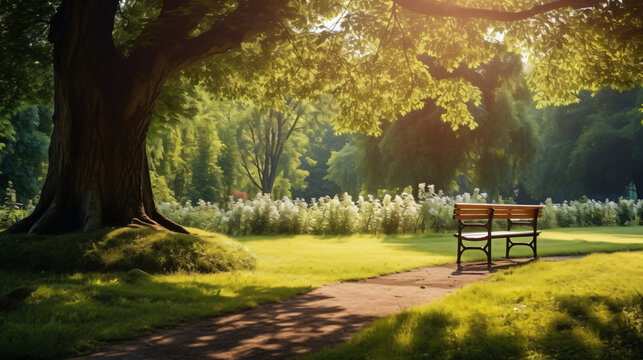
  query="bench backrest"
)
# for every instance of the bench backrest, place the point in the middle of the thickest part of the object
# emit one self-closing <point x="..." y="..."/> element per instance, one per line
<point x="466" y="211"/>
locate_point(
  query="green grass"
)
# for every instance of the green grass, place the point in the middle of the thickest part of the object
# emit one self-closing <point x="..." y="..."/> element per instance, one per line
<point x="68" y="314"/>
<point x="583" y="309"/>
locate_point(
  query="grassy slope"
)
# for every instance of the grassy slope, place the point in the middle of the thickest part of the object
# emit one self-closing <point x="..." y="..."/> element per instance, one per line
<point x="71" y="313"/>
<point x="578" y="309"/>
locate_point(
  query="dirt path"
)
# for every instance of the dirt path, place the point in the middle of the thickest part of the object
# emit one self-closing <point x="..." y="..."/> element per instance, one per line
<point x="325" y="316"/>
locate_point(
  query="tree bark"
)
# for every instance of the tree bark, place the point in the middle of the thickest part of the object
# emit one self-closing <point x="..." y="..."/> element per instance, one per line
<point x="98" y="171"/>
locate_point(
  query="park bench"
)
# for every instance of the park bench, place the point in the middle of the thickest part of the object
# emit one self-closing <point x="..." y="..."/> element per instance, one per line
<point x="470" y="215"/>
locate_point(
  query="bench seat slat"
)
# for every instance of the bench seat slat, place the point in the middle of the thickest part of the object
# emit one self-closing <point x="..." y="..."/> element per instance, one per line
<point x="496" y="206"/>
<point x="496" y="212"/>
<point x="521" y="222"/>
<point x="485" y="210"/>
<point x="495" y="234"/>
<point x="505" y="216"/>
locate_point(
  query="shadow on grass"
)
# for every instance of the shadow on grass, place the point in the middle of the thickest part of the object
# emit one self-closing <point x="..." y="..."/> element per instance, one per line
<point x="585" y="327"/>
<point x="71" y="315"/>
<point x="625" y="231"/>
<point x="277" y="330"/>
<point x="446" y="245"/>
<point x="430" y="336"/>
<point x="595" y="327"/>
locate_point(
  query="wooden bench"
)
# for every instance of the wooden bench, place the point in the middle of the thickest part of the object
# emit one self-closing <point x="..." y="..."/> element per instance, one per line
<point x="514" y="214"/>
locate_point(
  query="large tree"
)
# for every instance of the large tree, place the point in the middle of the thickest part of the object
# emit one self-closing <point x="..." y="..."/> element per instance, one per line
<point x="111" y="59"/>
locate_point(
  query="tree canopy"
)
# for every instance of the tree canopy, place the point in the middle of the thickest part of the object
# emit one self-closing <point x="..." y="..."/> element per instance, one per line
<point x="367" y="54"/>
<point x="420" y="148"/>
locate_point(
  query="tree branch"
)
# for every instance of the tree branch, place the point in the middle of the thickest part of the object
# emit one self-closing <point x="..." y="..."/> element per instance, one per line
<point x="444" y="9"/>
<point x="251" y="18"/>
<point x="168" y="41"/>
<point x="245" y="167"/>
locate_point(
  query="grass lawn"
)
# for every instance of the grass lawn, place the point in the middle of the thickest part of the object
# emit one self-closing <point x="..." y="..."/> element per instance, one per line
<point x="68" y="314"/>
<point x="591" y="308"/>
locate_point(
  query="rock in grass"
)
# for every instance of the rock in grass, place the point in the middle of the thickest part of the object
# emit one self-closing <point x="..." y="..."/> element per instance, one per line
<point x="135" y="275"/>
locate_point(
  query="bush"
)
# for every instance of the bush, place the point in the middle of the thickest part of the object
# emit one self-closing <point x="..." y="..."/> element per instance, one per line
<point x="565" y="217"/>
<point x="122" y="250"/>
<point x="10" y="212"/>
<point x="548" y="219"/>
<point x="625" y="212"/>
<point x="392" y="214"/>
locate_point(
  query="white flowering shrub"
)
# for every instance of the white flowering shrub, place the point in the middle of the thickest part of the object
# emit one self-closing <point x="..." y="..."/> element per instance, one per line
<point x="550" y="210"/>
<point x="430" y="211"/>
<point x="334" y="215"/>
<point x="369" y="214"/>
<point x="625" y="212"/>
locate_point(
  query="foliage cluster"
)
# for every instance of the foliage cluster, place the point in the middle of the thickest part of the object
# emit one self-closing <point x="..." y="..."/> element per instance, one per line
<point x="370" y="55"/>
<point x="420" y="147"/>
<point x="587" y="212"/>
<point x="23" y="158"/>
<point x="398" y="214"/>
<point x="10" y="212"/>
<point x="593" y="147"/>
<point x="123" y="250"/>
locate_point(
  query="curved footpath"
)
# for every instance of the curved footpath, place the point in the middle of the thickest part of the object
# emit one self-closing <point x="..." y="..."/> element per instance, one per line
<point x="324" y="316"/>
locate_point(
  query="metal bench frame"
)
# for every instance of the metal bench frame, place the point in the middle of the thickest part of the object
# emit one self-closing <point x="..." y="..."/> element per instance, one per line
<point x="533" y="222"/>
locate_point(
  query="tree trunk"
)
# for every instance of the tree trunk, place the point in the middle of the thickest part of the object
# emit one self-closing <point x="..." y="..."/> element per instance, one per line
<point x="98" y="171"/>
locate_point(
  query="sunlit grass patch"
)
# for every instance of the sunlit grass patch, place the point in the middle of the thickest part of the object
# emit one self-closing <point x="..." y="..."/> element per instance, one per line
<point x="578" y="309"/>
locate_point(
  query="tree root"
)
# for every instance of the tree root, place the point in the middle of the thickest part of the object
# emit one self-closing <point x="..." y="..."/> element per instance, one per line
<point x="51" y="221"/>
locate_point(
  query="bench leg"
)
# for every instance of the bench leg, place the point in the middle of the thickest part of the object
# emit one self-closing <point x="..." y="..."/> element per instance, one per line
<point x="535" y="247"/>
<point x="508" y="247"/>
<point x="488" y="253"/>
<point x="459" y="251"/>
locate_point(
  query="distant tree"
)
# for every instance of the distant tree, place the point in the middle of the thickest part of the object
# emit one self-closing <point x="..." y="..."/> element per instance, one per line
<point x="25" y="158"/>
<point x="322" y="142"/>
<point x="207" y="176"/>
<point x="185" y="148"/>
<point x="592" y="148"/>
<point x="262" y="137"/>
<point x="344" y="169"/>
<point x="26" y="72"/>
<point x="421" y="148"/>
<point x="229" y="160"/>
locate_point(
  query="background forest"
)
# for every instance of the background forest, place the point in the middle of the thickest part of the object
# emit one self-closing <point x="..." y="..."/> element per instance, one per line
<point x="204" y="148"/>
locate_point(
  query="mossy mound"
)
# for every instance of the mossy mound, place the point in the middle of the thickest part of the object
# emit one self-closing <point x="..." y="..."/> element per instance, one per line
<point x="124" y="249"/>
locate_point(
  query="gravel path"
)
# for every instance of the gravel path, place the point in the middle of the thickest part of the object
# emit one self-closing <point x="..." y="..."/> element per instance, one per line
<point x="324" y="316"/>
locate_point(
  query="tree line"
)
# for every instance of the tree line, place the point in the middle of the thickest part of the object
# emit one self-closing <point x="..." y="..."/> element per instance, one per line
<point x="203" y="148"/>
